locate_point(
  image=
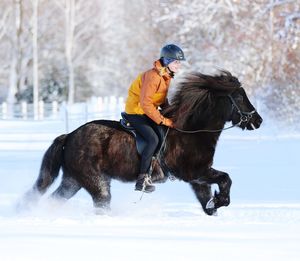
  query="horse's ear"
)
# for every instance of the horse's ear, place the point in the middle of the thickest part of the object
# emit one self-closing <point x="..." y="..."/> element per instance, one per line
<point x="235" y="80"/>
<point x="229" y="80"/>
<point x="225" y="73"/>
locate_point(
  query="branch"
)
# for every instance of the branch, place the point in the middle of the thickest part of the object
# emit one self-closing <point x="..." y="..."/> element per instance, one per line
<point x="291" y="17"/>
<point x="3" y="22"/>
<point x="79" y="57"/>
<point x="273" y="4"/>
<point x="60" y="4"/>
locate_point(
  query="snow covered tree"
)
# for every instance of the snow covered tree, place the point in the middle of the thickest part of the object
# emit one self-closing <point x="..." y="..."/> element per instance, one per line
<point x="258" y="41"/>
<point x="80" y="26"/>
<point x="35" y="6"/>
<point x="4" y="17"/>
<point x="20" y="45"/>
<point x="282" y="93"/>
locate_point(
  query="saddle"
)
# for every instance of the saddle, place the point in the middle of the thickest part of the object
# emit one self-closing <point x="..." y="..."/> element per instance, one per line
<point x="140" y="142"/>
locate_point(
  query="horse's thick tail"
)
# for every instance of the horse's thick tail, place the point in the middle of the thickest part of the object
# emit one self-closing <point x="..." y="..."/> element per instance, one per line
<point x="51" y="163"/>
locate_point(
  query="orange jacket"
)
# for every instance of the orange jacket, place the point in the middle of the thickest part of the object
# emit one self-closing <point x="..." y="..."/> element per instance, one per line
<point x="148" y="91"/>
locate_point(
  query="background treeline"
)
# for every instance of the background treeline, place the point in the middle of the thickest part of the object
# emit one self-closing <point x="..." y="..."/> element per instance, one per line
<point x="74" y="49"/>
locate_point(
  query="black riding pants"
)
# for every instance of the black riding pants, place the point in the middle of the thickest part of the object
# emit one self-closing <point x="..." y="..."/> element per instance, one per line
<point x="151" y="133"/>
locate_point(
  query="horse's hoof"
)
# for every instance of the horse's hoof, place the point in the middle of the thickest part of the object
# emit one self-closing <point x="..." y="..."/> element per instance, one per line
<point x="210" y="204"/>
<point x="102" y="210"/>
<point x="211" y="212"/>
<point x="210" y="208"/>
<point x="214" y="212"/>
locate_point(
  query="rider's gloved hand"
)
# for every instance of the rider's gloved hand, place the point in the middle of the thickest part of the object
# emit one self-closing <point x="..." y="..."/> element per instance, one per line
<point x="168" y="122"/>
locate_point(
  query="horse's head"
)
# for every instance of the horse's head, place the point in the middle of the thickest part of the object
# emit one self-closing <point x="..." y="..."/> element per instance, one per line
<point x="207" y="102"/>
<point x="243" y="112"/>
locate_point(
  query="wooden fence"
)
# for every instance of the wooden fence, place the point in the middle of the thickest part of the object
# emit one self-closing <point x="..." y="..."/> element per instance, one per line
<point x="94" y="107"/>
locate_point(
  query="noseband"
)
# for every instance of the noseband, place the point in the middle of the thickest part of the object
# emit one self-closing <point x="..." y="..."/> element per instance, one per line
<point x="244" y="116"/>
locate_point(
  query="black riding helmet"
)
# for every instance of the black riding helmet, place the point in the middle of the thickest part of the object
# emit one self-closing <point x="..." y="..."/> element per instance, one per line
<point x="172" y="51"/>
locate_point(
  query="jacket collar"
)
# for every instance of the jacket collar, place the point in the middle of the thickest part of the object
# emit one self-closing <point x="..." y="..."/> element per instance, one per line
<point x="162" y="71"/>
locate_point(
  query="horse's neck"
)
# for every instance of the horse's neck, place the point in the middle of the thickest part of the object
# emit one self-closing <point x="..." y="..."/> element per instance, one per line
<point x="211" y="125"/>
<point x="192" y="140"/>
<point x="206" y="135"/>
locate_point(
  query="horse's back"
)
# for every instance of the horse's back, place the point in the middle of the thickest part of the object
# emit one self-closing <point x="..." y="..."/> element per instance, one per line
<point x="102" y="145"/>
<point x="98" y="128"/>
<point x="116" y="125"/>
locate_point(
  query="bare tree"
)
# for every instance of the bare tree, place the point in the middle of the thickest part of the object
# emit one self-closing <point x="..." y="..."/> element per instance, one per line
<point x="80" y="21"/>
<point x="15" y="43"/>
<point x="4" y="66"/>
<point x="69" y="45"/>
<point x="3" y="20"/>
<point x="19" y="39"/>
<point x="35" y="5"/>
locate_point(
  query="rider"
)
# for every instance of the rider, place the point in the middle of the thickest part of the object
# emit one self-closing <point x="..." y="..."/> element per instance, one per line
<point x="147" y="92"/>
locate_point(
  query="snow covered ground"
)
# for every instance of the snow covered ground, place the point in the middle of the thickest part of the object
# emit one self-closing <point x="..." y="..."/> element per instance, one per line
<point x="262" y="222"/>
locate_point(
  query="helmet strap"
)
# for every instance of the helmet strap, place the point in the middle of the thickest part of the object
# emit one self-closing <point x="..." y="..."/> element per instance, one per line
<point x="170" y="72"/>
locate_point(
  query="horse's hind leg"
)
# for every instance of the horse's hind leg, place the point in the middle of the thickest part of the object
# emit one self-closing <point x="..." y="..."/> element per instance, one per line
<point x="67" y="189"/>
<point x="99" y="188"/>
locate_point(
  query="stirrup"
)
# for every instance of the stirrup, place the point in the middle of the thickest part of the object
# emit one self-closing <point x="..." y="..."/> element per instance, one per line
<point x="144" y="184"/>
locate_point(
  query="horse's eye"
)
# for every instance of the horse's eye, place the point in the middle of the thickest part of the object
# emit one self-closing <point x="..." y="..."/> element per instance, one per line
<point x="239" y="99"/>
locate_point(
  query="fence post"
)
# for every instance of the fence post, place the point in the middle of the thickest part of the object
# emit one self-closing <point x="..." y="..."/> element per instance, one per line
<point x="86" y="111"/>
<point x="105" y="103"/>
<point x="24" y="110"/>
<point x="121" y="104"/>
<point x="4" y="110"/>
<point x="65" y="107"/>
<point x="54" y="109"/>
<point x="41" y="110"/>
<point x="112" y="103"/>
<point x="99" y="104"/>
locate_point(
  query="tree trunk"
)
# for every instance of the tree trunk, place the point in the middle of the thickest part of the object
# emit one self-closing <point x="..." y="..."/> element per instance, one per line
<point x="70" y="25"/>
<point x="12" y="84"/>
<point x="35" y="58"/>
<point x="15" y="53"/>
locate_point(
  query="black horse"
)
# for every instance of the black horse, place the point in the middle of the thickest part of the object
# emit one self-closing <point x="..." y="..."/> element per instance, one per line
<point x="102" y="150"/>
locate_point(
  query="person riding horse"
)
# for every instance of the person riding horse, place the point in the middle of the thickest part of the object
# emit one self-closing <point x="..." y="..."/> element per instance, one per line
<point x="147" y="92"/>
<point x="102" y="150"/>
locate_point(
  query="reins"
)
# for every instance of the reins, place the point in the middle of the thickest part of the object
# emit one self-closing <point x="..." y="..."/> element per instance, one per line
<point x="219" y="130"/>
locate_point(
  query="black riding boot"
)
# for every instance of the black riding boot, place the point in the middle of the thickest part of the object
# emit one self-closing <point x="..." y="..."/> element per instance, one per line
<point x="144" y="183"/>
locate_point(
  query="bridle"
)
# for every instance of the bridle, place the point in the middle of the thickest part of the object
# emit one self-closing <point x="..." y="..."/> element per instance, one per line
<point x="244" y="117"/>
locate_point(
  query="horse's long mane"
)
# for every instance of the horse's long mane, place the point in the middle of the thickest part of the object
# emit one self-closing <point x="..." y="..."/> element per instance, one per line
<point x="200" y="97"/>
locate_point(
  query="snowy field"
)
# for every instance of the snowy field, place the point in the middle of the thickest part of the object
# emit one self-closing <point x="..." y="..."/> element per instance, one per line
<point x="262" y="222"/>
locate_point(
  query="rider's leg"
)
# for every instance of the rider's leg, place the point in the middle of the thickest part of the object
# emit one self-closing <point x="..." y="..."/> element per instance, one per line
<point x="143" y="126"/>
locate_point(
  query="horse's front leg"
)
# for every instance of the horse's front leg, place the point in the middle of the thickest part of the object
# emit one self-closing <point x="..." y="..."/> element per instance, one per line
<point x="203" y="193"/>
<point x="224" y="182"/>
